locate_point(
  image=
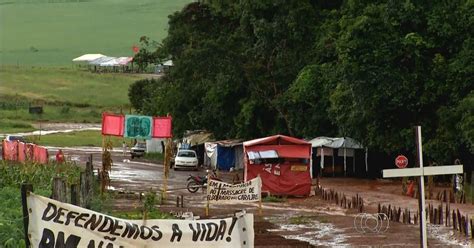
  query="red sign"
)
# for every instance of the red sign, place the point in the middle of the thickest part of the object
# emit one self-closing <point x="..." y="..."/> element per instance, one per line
<point x="401" y="161"/>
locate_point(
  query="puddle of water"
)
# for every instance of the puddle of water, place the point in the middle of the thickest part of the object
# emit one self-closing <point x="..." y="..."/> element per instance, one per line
<point x="447" y="236"/>
<point x="46" y="132"/>
<point x="314" y="232"/>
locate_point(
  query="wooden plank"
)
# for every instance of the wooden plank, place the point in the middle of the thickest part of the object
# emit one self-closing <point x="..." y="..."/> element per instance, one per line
<point x="25" y="189"/>
<point x="427" y="171"/>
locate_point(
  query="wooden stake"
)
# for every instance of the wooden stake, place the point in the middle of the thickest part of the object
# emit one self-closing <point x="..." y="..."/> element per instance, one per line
<point x="207" y="199"/>
<point x="25" y="189"/>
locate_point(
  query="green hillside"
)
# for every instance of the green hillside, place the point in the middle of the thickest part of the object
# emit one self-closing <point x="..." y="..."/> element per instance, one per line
<point x="53" y="32"/>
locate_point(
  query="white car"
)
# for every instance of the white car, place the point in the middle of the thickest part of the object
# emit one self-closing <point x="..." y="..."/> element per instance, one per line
<point x="186" y="159"/>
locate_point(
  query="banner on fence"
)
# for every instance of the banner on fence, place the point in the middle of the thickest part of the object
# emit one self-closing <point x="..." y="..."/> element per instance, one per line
<point x="249" y="191"/>
<point x="56" y="224"/>
<point x="23" y="152"/>
<point x="136" y="126"/>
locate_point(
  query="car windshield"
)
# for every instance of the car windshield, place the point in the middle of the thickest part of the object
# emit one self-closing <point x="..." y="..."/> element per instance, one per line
<point x="141" y="145"/>
<point x="19" y="138"/>
<point x="186" y="154"/>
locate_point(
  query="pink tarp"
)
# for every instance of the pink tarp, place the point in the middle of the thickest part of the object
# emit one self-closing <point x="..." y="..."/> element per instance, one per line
<point x="115" y="124"/>
<point x="112" y="124"/>
<point x="162" y="127"/>
<point x="21" y="152"/>
<point x="40" y="155"/>
<point x="10" y="150"/>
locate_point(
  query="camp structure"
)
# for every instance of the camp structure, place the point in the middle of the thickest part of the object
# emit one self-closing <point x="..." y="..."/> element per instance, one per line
<point x="195" y="140"/>
<point x="341" y="150"/>
<point x="88" y="57"/>
<point x="224" y="155"/>
<point x="282" y="162"/>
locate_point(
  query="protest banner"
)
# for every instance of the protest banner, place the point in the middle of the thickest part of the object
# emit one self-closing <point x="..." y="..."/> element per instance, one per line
<point x="56" y="224"/>
<point x="220" y="192"/>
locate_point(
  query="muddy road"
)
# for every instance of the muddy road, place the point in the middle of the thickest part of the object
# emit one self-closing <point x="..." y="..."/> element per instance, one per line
<point x="296" y="222"/>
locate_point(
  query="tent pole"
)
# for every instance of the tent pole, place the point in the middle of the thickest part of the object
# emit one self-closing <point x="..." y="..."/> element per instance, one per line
<point x="366" y="157"/>
<point x="333" y="170"/>
<point x="345" y="166"/>
<point x="354" y="162"/>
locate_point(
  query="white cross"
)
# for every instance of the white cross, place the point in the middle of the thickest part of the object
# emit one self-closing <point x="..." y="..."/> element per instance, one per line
<point x="422" y="171"/>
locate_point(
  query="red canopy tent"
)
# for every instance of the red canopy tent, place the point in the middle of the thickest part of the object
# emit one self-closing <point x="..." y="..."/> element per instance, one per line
<point x="282" y="162"/>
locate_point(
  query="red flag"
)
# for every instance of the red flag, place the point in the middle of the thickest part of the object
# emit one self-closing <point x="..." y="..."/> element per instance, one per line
<point x="135" y="49"/>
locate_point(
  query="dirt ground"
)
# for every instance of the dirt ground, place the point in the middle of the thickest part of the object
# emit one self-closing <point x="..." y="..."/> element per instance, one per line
<point x="296" y="222"/>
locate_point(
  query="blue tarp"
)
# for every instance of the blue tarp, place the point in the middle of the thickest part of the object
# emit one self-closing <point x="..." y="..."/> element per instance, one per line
<point x="225" y="158"/>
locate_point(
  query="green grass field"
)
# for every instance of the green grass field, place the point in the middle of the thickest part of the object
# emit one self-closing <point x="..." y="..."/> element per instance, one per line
<point x="66" y="94"/>
<point x="81" y="138"/>
<point x="53" y="32"/>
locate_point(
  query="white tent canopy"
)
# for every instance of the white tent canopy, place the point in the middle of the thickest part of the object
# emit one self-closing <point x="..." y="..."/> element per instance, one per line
<point x="168" y="63"/>
<point x="88" y="57"/>
<point x="345" y="145"/>
<point x="341" y="142"/>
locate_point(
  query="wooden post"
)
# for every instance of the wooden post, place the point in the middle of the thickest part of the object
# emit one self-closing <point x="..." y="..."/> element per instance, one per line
<point x="260" y="200"/>
<point x="86" y="188"/>
<point x="25" y="189"/>
<point x="59" y="189"/>
<point x="207" y="194"/>
<point x="74" y="194"/>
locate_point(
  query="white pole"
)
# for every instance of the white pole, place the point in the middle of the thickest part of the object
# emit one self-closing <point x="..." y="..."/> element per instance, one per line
<point x="423" y="238"/>
<point x="322" y="158"/>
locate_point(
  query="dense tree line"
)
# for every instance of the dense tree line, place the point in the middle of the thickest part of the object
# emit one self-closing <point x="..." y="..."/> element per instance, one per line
<point x="370" y="70"/>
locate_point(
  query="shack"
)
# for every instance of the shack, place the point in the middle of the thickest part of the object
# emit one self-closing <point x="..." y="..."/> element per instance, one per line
<point x="282" y="162"/>
<point x="224" y="155"/>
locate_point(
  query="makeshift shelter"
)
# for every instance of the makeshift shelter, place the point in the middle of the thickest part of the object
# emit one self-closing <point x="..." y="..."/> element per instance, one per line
<point x="88" y="57"/>
<point x="101" y="60"/>
<point x="195" y="140"/>
<point x="224" y="154"/>
<point x="282" y="162"/>
<point x="155" y="145"/>
<point x="345" y="147"/>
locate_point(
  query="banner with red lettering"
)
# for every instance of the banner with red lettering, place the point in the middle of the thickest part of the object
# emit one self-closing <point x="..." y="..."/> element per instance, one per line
<point x="56" y="224"/>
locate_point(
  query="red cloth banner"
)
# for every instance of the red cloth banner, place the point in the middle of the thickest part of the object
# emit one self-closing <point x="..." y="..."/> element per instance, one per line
<point x="162" y="127"/>
<point x="21" y="152"/>
<point x="10" y="150"/>
<point x="112" y="124"/>
<point x="29" y="152"/>
<point x="40" y="155"/>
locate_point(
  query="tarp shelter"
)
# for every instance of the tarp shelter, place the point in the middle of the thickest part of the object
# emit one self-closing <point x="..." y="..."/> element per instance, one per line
<point x="195" y="140"/>
<point x="282" y="162"/>
<point x="101" y="60"/>
<point x="224" y="154"/>
<point x="155" y="145"/>
<point x="326" y="146"/>
<point x="88" y="57"/>
<point x="117" y="61"/>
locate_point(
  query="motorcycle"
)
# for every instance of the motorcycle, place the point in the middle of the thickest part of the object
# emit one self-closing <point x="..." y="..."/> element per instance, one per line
<point x="197" y="182"/>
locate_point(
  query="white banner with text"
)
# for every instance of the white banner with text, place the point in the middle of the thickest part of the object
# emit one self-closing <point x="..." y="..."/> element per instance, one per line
<point x="249" y="191"/>
<point x="55" y="224"/>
